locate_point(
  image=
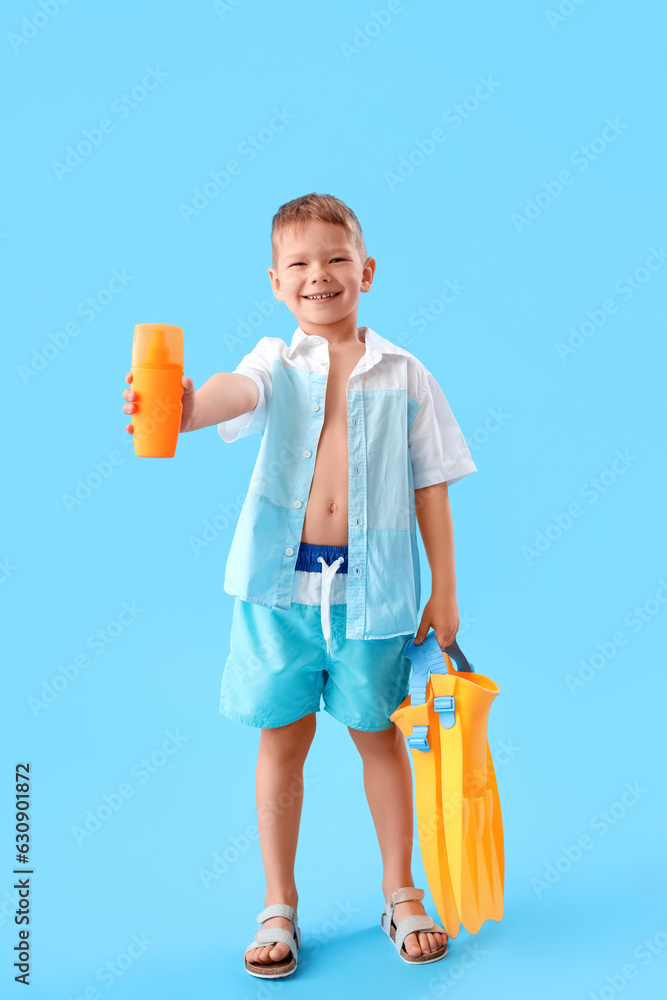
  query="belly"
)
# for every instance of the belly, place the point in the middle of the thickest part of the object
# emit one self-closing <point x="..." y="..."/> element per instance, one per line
<point x="325" y="520"/>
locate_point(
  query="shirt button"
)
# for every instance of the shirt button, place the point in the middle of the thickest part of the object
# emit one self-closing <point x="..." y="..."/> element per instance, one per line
<point x="297" y="503"/>
<point x="355" y="421"/>
<point x="357" y="520"/>
<point x="357" y="470"/>
<point x="315" y="406"/>
<point x="306" y="454"/>
<point x="357" y="571"/>
<point x="289" y="552"/>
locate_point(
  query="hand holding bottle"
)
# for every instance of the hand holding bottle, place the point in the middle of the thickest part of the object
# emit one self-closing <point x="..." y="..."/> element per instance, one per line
<point x="188" y="402"/>
<point x="157" y="389"/>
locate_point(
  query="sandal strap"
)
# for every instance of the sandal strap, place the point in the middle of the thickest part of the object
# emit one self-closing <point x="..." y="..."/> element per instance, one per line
<point x="401" y="895"/>
<point x="271" y="935"/>
<point x="277" y="910"/>
<point x="410" y="925"/>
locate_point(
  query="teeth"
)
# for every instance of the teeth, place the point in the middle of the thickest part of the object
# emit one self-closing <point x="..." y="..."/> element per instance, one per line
<point x="329" y="295"/>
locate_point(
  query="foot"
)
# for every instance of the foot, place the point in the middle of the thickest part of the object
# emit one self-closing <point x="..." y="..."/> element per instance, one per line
<point x="420" y="942"/>
<point x="279" y="951"/>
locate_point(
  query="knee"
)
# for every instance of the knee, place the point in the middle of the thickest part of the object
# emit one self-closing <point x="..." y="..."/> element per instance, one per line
<point x="382" y="741"/>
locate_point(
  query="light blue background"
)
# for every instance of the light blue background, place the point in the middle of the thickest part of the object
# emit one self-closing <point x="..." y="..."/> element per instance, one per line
<point x="528" y="624"/>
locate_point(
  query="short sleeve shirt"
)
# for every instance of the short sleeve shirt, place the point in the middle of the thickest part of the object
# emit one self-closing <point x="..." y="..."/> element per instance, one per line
<point x="402" y="436"/>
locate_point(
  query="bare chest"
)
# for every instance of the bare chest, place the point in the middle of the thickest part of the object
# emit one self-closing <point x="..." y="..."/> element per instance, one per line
<point x="325" y="519"/>
<point x="341" y="366"/>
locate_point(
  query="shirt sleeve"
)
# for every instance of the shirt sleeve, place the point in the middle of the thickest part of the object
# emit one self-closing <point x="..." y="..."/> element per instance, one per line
<point x="438" y="450"/>
<point x="256" y="366"/>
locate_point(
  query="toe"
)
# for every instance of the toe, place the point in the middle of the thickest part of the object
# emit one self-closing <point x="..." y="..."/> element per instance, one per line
<point x="412" y="945"/>
<point x="439" y="940"/>
<point x="269" y="953"/>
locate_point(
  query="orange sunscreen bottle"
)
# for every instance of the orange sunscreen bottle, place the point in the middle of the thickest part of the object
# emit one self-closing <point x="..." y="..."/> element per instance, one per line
<point x="157" y="369"/>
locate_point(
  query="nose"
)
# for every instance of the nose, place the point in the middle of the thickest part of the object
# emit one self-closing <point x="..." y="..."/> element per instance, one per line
<point x="319" y="272"/>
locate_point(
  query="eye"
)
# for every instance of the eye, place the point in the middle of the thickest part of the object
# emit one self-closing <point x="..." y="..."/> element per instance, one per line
<point x="298" y="263"/>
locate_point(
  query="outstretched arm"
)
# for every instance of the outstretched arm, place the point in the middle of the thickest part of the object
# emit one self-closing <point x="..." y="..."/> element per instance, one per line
<point x="224" y="396"/>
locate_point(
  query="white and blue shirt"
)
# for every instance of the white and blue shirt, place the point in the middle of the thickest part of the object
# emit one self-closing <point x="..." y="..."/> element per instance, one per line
<point x="401" y="436"/>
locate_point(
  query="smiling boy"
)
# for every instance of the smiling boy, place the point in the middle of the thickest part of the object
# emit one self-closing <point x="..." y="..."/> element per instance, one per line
<point x="358" y="444"/>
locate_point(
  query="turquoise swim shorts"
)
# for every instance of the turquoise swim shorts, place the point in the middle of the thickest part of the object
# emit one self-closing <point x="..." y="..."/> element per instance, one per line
<point x="281" y="663"/>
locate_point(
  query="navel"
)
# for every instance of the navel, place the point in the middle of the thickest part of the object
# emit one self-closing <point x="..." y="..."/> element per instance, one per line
<point x="332" y="507"/>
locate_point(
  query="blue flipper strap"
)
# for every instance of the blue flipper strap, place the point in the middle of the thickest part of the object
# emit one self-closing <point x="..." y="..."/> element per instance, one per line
<point x="418" y="740"/>
<point x="444" y="706"/>
<point x="427" y="658"/>
<point x="455" y="654"/>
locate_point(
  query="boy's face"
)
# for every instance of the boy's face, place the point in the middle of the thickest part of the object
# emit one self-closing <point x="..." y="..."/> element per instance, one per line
<point x="320" y="257"/>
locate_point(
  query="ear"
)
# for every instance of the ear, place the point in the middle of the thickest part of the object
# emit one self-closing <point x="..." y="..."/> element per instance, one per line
<point x="275" y="284"/>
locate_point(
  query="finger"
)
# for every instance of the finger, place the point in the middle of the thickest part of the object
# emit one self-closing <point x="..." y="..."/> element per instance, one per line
<point x="188" y="384"/>
<point x="129" y="394"/>
<point x="440" y="638"/>
<point x="129" y="428"/>
<point x="129" y="377"/>
<point x="422" y="632"/>
<point x="129" y="407"/>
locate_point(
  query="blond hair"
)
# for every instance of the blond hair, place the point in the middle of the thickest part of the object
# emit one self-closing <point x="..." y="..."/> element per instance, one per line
<point x="323" y="207"/>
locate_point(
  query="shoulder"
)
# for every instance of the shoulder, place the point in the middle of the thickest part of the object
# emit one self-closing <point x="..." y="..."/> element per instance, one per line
<point x="270" y="345"/>
<point x="268" y="348"/>
<point x="417" y="376"/>
<point x="422" y="378"/>
<point x="390" y="348"/>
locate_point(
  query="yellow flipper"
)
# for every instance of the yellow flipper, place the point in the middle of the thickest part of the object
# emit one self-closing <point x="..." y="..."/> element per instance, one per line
<point x="444" y="720"/>
<point x="431" y="831"/>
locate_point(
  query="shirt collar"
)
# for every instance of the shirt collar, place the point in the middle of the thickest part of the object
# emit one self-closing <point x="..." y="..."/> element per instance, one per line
<point x="376" y="345"/>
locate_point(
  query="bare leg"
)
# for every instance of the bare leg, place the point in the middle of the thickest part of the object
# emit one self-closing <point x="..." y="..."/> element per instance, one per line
<point x="388" y="786"/>
<point x="279" y="793"/>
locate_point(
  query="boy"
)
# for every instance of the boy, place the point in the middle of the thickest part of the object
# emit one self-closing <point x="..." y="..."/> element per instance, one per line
<point x="358" y="443"/>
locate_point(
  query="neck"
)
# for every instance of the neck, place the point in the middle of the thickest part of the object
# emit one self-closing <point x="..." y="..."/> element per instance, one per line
<point x="344" y="332"/>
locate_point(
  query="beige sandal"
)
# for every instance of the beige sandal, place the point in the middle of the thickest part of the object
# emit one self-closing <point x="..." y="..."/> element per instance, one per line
<point x="273" y="935"/>
<point x="409" y="925"/>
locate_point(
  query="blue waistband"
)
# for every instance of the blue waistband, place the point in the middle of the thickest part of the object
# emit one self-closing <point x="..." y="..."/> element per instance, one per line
<point x="306" y="557"/>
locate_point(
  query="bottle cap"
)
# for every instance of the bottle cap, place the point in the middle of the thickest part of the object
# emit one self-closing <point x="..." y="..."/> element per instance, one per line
<point x="157" y="344"/>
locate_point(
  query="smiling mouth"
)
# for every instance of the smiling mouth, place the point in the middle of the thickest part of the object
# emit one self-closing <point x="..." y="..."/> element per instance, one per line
<point x="321" y="297"/>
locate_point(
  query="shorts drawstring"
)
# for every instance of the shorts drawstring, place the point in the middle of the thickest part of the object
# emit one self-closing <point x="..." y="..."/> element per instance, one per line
<point x="328" y="573"/>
